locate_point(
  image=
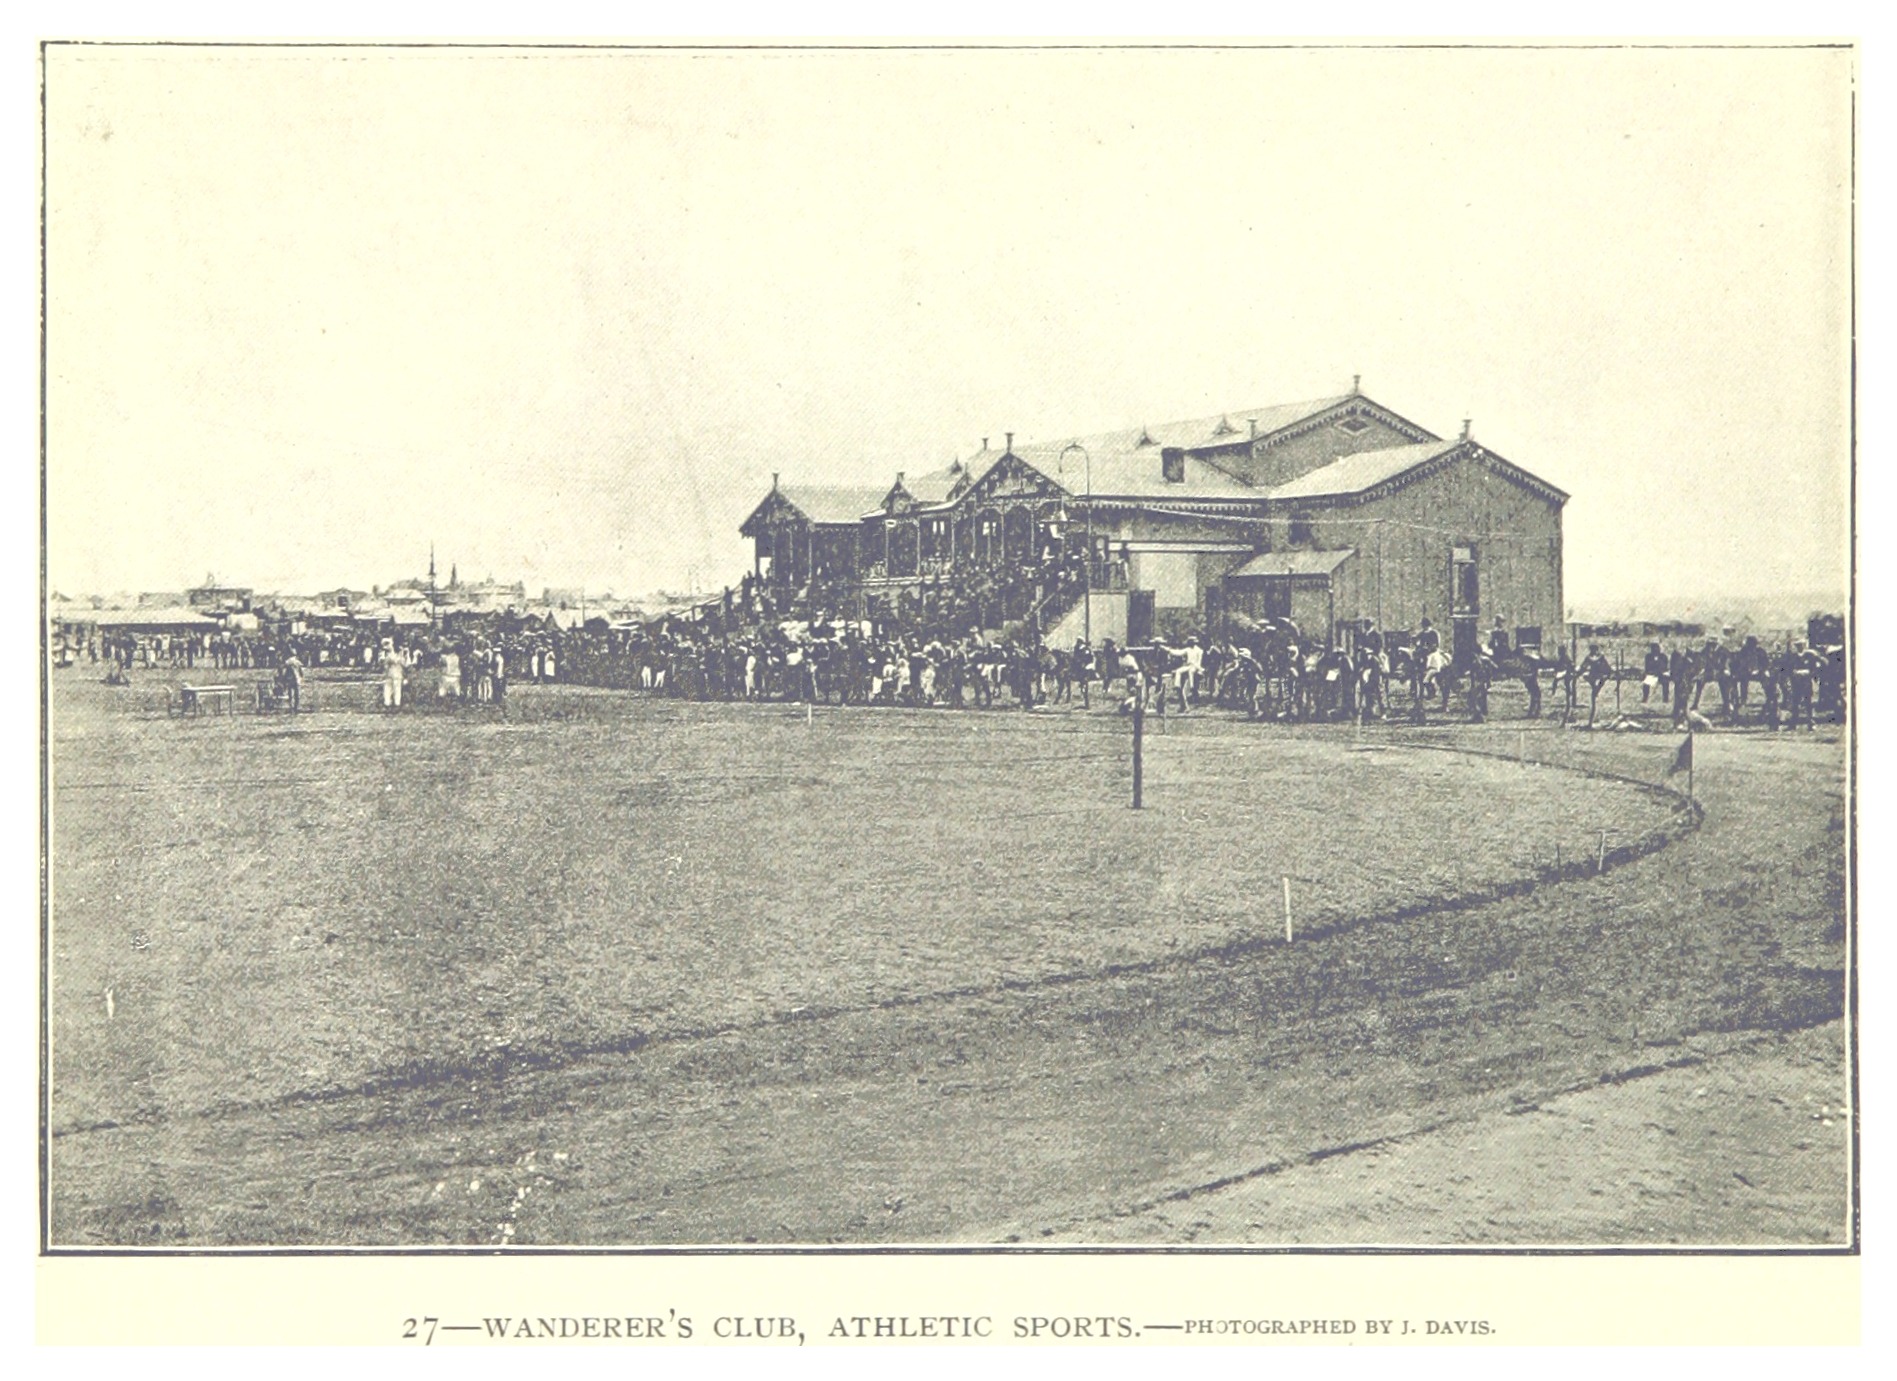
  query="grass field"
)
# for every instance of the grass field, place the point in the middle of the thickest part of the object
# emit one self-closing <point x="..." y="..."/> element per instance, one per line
<point x="618" y="970"/>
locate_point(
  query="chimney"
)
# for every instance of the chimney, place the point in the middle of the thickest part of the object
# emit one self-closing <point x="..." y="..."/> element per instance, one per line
<point x="1253" y="421"/>
<point x="1465" y="428"/>
<point x="984" y="445"/>
<point x="1356" y="383"/>
<point x="773" y="481"/>
<point x="1010" y="443"/>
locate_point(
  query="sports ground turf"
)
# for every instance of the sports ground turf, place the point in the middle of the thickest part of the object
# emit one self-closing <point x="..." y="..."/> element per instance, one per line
<point x="608" y="969"/>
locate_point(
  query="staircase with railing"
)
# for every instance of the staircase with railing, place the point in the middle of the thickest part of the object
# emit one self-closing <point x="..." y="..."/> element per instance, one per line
<point x="1052" y="607"/>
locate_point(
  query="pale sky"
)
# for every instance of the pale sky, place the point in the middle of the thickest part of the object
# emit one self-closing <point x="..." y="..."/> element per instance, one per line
<point x="563" y="314"/>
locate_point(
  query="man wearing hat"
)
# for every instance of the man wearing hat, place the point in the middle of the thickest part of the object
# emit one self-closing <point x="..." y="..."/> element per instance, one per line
<point x="1596" y="672"/>
<point x="1655" y="672"/>
<point x="1191" y="671"/>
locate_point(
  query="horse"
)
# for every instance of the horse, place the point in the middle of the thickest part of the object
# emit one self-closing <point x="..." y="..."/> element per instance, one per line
<point x="1281" y="690"/>
<point x="1238" y="679"/>
<point x="1525" y="667"/>
<point x="1423" y="673"/>
<point x="1057" y="678"/>
<point x="986" y="665"/>
<point x="1480" y="672"/>
<point x="1333" y="685"/>
<point x="1371" y="673"/>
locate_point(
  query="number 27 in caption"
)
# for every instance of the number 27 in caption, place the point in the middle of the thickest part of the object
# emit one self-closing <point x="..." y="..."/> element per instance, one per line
<point x="419" y="1329"/>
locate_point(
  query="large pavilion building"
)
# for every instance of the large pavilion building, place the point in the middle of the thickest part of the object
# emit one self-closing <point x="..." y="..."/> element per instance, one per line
<point x="1336" y="512"/>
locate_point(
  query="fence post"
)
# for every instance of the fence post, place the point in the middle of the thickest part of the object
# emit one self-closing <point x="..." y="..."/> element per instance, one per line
<point x="1139" y="732"/>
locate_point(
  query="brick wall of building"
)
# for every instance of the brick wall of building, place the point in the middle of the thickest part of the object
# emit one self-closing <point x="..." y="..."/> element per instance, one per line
<point x="1403" y="542"/>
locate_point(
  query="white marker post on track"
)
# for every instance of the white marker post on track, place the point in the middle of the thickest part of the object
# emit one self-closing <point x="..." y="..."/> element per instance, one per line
<point x="1287" y="910"/>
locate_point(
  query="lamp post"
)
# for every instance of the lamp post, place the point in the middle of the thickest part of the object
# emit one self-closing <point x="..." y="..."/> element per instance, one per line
<point x="1086" y="614"/>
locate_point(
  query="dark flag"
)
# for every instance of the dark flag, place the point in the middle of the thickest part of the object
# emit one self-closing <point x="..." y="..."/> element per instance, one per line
<point x="1682" y="760"/>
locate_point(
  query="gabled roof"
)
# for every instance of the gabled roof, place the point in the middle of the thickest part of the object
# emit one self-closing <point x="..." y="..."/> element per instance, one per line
<point x="1353" y="475"/>
<point x="827" y="504"/>
<point x="982" y="469"/>
<point x="974" y="469"/>
<point x="834" y="503"/>
<point x="1224" y="429"/>
<point x="1292" y="563"/>
<point x="1129" y="464"/>
<point x="1134" y="474"/>
<point x="936" y="486"/>
<point x="1126" y="463"/>
<point x="1122" y="454"/>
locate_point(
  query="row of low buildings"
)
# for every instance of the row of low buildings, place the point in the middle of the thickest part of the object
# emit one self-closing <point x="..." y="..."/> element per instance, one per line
<point x="415" y="603"/>
<point x="1337" y="512"/>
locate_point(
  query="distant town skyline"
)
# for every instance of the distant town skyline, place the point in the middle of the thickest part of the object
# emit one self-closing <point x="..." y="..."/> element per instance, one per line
<point x="565" y="314"/>
<point x="447" y="582"/>
<point x="1790" y="603"/>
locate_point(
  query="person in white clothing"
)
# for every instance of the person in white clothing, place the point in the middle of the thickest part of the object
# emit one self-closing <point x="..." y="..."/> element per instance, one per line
<point x="392" y="680"/>
<point x="1190" y="671"/>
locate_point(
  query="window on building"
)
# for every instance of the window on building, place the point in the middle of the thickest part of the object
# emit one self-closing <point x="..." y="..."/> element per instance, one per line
<point x="1300" y="530"/>
<point x="1353" y="424"/>
<point x="1172" y="462"/>
<point x="1463" y="578"/>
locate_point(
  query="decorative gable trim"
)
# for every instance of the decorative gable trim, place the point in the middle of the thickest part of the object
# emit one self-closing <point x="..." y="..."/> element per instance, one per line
<point x="1514" y="473"/>
<point x="774" y="505"/>
<point x="897" y="500"/>
<point x="1352" y="409"/>
<point x="1468" y="450"/>
<point x="1012" y="476"/>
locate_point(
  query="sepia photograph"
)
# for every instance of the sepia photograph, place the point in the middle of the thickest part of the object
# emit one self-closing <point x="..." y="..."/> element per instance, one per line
<point x="981" y="647"/>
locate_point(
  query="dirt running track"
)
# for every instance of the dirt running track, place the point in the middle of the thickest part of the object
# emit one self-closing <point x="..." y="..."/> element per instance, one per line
<point x="1654" y="1055"/>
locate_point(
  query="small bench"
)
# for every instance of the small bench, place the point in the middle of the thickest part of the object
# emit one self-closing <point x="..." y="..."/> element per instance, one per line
<point x="193" y="699"/>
